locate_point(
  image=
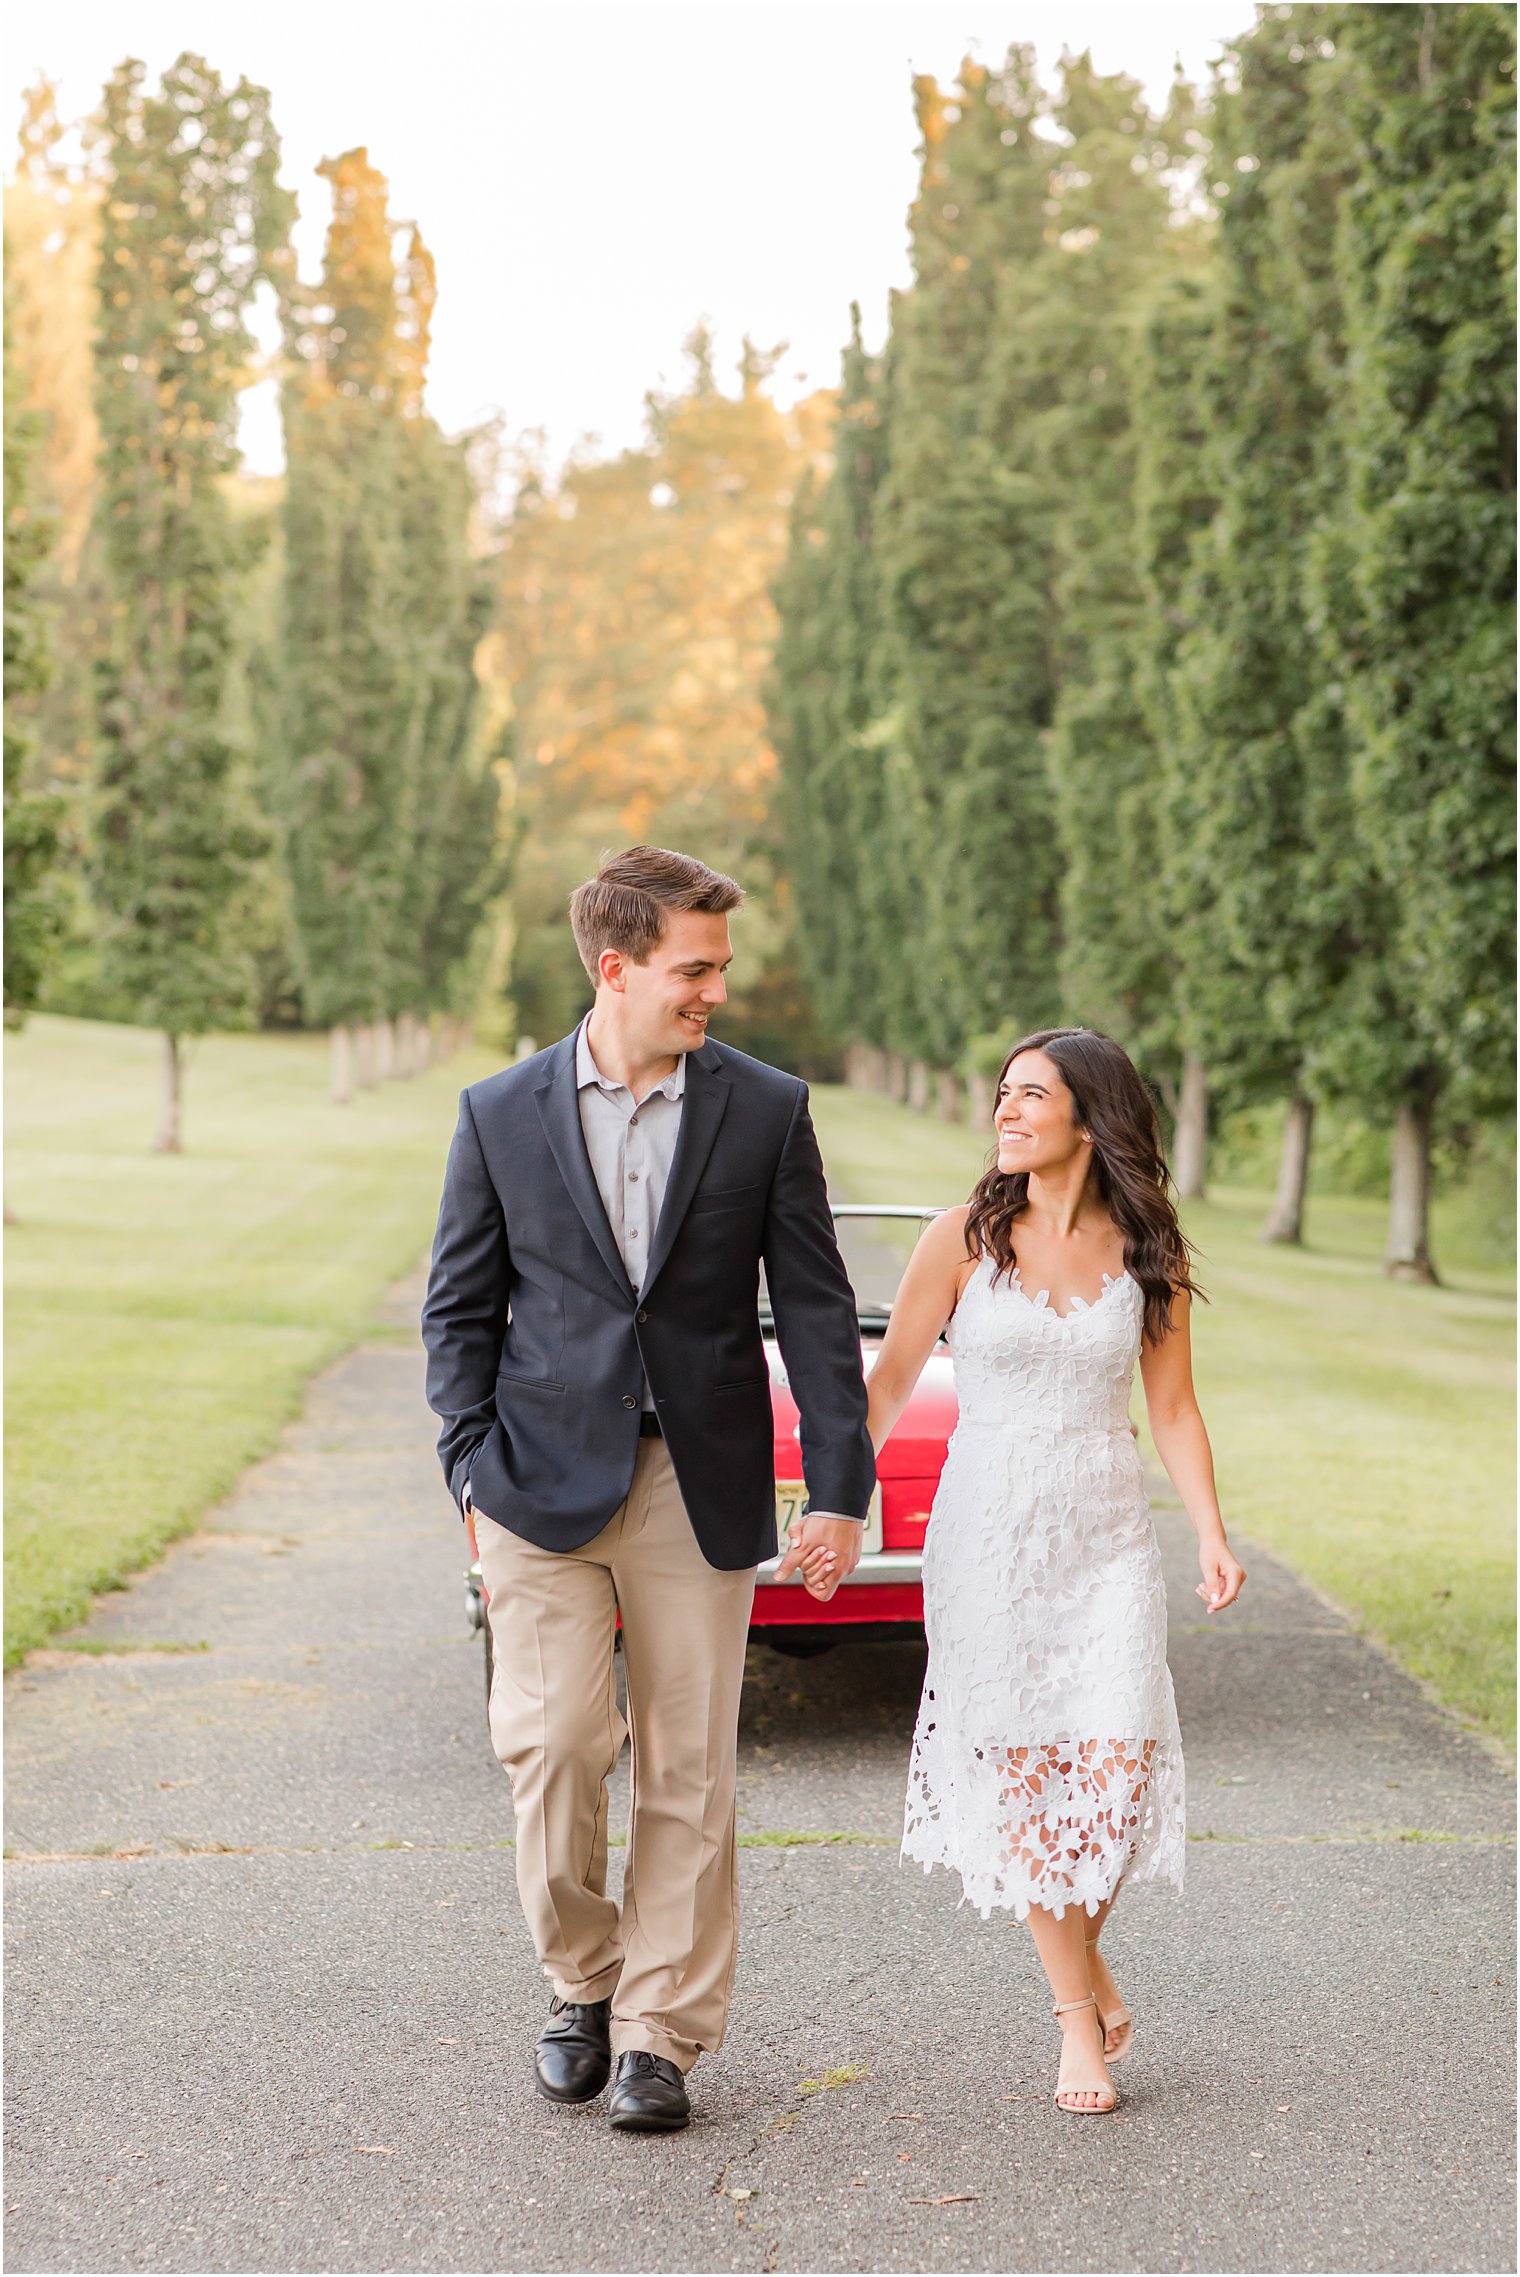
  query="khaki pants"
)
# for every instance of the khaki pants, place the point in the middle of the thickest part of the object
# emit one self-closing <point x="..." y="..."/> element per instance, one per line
<point x="668" y="1963"/>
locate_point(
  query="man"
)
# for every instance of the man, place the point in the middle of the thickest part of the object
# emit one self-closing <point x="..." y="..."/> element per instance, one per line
<point x="596" y="1359"/>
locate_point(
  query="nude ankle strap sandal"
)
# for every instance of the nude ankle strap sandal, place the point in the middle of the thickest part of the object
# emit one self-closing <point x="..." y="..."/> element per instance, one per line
<point x="1118" y="2025"/>
<point x="1104" y="2086"/>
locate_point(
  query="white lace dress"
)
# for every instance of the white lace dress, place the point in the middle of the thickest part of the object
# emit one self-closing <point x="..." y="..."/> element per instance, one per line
<point x="1047" y="1764"/>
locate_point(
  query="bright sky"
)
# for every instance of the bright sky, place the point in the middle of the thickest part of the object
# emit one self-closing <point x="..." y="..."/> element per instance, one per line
<point x="595" y="175"/>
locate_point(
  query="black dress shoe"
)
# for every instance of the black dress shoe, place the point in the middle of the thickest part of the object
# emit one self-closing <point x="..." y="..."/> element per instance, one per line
<point x="648" y="2095"/>
<point x="574" y="2051"/>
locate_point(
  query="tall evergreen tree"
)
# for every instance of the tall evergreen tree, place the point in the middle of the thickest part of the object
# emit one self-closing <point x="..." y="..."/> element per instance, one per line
<point x="341" y="791"/>
<point x="821" y="702"/>
<point x="964" y="539"/>
<point x="31" y="814"/>
<point x="1122" y="950"/>
<point x="378" y="770"/>
<point x="193" y="221"/>
<point x="1256" y="757"/>
<point x="801" y="707"/>
<point x="454" y="866"/>
<point x="1120" y="435"/>
<point x="1419" y="582"/>
<point x="52" y="226"/>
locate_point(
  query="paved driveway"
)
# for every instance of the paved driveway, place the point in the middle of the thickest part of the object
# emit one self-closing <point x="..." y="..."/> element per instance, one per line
<point x="271" y="1999"/>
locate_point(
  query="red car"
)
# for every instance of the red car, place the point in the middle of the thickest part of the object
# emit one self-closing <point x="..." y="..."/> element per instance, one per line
<point x="884" y="1596"/>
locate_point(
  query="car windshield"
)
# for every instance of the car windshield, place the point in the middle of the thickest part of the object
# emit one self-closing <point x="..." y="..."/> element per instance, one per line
<point x="875" y="1245"/>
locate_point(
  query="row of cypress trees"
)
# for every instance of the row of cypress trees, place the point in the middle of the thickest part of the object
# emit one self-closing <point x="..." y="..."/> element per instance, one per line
<point x="385" y="795"/>
<point x="360" y="779"/>
<point x="1147" y="658"/>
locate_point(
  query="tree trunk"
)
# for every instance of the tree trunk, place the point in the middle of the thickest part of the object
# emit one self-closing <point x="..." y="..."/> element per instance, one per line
<point x="948" y="1099"/>
<point x="342" y="1042"/>
<point x="980" y="1102"/>
<point x="896" y="1071"/>
<point x="918" y="1085"/>
<point x="422" y="1050"/>
<point x="1190" y="1148"/>
<point x="1285" y="1219"/>
<point x="385" y="1049"/>
<point x="167" y="1141"/>
<point x="364" y="1055"/>
<point x="862" y="1068"/>
<point x="1408" y="1253"/>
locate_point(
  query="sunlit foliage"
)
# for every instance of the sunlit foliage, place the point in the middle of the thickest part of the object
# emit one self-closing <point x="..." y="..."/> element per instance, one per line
<point x="638" y="624"/>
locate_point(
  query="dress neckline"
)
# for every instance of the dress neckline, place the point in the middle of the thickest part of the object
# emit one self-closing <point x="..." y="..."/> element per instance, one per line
<point x="1080" y="1306"/>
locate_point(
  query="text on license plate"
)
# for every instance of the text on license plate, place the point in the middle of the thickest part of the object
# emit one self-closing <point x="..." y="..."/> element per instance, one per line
<point x="791" y="1495"/>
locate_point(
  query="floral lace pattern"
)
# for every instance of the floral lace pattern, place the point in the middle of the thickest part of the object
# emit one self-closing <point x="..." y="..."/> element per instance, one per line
<point x="1047" y="1764"/>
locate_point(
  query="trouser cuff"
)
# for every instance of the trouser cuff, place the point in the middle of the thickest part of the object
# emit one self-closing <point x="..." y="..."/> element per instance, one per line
<point x="595" y="1988"/>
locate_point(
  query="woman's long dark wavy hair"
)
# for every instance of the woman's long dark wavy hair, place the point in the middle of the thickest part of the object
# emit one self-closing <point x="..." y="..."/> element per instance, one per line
<point x="1109" y="1099"/>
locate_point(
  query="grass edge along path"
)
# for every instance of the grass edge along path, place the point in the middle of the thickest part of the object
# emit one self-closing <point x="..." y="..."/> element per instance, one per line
<point x="165" y="1314"/>
<point x="1362" y="1428"/>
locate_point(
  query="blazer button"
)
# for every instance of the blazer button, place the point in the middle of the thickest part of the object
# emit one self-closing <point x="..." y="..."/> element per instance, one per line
<point x="641" y="1317"/>
<point x="629" y="1400"/>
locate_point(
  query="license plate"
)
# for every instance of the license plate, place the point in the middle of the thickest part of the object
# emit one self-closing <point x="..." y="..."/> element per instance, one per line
<point x="791" y="1495"/>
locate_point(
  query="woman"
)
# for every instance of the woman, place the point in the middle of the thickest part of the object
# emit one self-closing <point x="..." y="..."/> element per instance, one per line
<point x="1047" y="1767"/>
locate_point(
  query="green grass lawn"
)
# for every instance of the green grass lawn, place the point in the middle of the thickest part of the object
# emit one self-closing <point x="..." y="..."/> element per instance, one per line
<point x="1362" y="1428"/>
<point x="164" y="1312"/>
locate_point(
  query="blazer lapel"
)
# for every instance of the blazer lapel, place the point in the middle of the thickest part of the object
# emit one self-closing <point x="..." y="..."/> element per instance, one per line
<point x="559" y="1111"/>
<point x="707" y="1089"/>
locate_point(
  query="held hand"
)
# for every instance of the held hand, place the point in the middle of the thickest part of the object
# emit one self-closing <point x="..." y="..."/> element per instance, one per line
<point x="816" y="1564"/>
<point x="816" y="1568"/>
<point x="819" y="1578"/>
<point x="1223" y="1576"/>
<point x="825" y="1550"/>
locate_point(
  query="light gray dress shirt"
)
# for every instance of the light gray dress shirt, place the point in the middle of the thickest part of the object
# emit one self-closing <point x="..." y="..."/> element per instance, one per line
<point x="631" y="1143"/>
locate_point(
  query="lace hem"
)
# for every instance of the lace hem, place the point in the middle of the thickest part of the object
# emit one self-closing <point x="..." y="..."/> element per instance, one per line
<point x="1053" y="1825"/>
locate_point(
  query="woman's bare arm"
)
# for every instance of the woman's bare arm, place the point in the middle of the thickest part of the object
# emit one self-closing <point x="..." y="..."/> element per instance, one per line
<point x="1171" y="1407"/>
<point x="937" y="1272"/>
<point x="929" y="1292"/>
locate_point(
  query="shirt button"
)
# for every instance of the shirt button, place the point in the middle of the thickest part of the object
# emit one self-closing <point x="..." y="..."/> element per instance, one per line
<point x="633" y="1177"/>
<point x="629" y="1400"/>
<point x="641" y="1317"/>
<point x="633" y="1122"/>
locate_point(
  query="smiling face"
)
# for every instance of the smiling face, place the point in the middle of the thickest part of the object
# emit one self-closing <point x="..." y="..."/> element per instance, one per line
<point x="1035" y="1117"/>
<point x="664" y="1004"/>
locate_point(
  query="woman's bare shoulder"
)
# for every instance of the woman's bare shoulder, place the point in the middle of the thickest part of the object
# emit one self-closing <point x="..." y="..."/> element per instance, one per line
<point x="945" y="1253"/>
<point x="947" y="1232"/>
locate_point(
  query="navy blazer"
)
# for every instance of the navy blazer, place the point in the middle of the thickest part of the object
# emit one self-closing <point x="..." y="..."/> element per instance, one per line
<point x="538" y="1346"/>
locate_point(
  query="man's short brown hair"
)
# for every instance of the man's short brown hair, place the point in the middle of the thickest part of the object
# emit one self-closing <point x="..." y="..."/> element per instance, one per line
<point x="623" y="907"/>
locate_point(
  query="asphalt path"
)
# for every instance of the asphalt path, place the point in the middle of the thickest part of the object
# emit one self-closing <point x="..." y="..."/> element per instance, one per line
<point x="270" y="1997"/>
